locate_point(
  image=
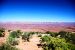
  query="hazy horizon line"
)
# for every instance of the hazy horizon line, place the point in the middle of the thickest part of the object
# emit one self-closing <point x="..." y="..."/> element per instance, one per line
<point x="34" y="22"/>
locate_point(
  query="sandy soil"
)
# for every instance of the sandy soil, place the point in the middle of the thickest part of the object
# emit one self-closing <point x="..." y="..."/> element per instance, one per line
<point x="32" y="45"/>
<point x="3" y="39"/>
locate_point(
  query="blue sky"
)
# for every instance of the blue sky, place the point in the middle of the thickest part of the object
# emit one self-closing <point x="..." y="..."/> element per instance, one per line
<point x="37" y="11"/>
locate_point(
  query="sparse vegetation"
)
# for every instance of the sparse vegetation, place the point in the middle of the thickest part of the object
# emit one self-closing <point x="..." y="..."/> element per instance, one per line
<point x="2" y="30"/>
<point x="54" y="43"/>
<point x="7" y="47"/>
<point x="9" y="30"/>
<point x="50" y="41"/>
<point x="39" y="35"/>
<point x="70" y="37"/>
<point x="26" y="36"/>
<point x="53" y="34"/>
<point x="15" y="34"/>
<point x="12" y="41"/>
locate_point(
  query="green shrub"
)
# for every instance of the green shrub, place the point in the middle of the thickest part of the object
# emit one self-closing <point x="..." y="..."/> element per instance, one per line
<point x="26" y="36"/>
<point x="12" y="41"/>
<point x="72" y="38"/>
<point x="53" y="43"/>
<point x="31" y="33"/>
<point x="72" y="46"/>
<point x="39" y="35"/>
<point x="19" y="32"/>
<point x="45" y="39"/>
<point x="15" y="34"/>
<point x="2" y="34"/>
<point x="2" y="30"/>
<point x="9" y="30"/>
<point x="15" y="42"/>
<point x="53" y="34"/>
<point x="63" y="34"/>
<point x="7" y="47"/>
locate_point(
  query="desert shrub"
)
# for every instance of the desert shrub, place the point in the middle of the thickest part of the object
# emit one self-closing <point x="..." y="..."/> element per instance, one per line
<point x="19" y="32"/>
<point x="9" y="30"/>
<point x="72" y="46"/>
<point x="39" y="35"/>
<point x="36" y="33"/>
<point x="2" y="30"/>
<point x="15" y="42"/>
<point x="53" y="34"/>
<point x="13" y="38"/>
<point x="15" y="34"/>
<point x="26" y="36"/>
<point x="63" y="34"/>
<point x="53" y="43"/>
<point x="12" y="41"/>
<point x="45" y="39"/>
<point x="7" y="47"/>
<point x="2" y="34"/>
<point x="32" y="33"/>
<point x="72" y="38"/>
